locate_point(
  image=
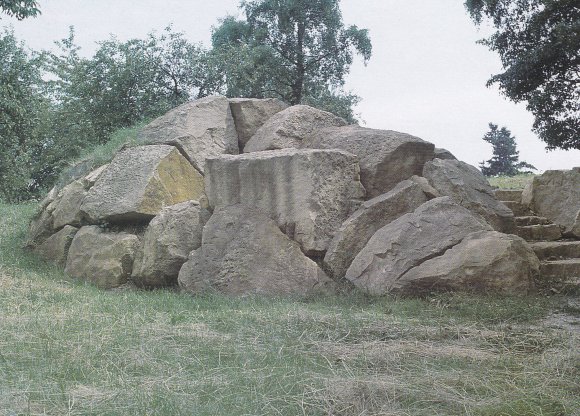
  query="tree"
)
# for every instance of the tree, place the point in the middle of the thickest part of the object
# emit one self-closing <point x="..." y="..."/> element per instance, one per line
<point x="505" y="160"/>
<point x="296" y="50"/>
<point x="20" y="9"/>
<point x="538" y="42"/>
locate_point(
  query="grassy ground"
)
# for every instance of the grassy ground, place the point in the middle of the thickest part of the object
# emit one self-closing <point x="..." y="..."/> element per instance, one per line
<point x="70" y="349"/>
<point x="511" y="182"/>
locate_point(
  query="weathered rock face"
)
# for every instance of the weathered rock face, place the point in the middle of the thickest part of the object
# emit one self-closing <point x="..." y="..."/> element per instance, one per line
<point x="358" y="229"/>
<point x="55" y="248"/>
<point x="67" y="209"/>
<point x="556" y="196"/>
<point x="41" y="227"/>
<point x="468" y="187"/>
<point x="169" y="239"/>
<point x="92" y="177"/>
<point x="486" y="261"/>
<point x="288" y="128"/>
<point x="444" y="154"/>
<point x="309" y="193"/>
<point x="139" y="182"/>
<point x="386" y="157"/>
<point x="199" y="129"/>
<point x="251" y="113"/>
<point x="103" y="258"/>
<point x="410" y="240"/>
<point x="244" y="252"/>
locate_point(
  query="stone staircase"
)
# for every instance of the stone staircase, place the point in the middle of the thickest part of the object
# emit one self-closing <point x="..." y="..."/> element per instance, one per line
<point x="559" y="257"/>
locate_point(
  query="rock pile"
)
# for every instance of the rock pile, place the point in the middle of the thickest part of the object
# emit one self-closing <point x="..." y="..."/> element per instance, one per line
<point x="248" y="196"/>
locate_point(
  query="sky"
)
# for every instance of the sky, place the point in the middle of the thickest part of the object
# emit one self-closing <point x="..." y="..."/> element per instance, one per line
<point x="426" y="77"/>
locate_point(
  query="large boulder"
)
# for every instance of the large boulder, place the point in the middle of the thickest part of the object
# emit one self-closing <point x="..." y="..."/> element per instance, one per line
<point x="67" y="210"/>
<point x="169" y="239"/>
<point x="485" y="261"/>
<point x="469" y="188"/>
<point x="288" y="128"/>
<point x="251" y="113"/>
<point x="200" y="129"/>
<point x="55" y="248"/>
<point x="556" y="196"/>
<point x="410" y="240"/>
<point x="386" y="157"/>
<point x="244" y="252"/>
<point x="101" y="257"/>
<point x="139" y="182"/>
<point x="309" y="193"/>
<point x="358" y="229"/>
<point x="40" y="228"/>
<point x="444" y="154"/>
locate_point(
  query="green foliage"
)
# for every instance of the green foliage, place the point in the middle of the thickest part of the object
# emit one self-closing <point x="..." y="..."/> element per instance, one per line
<point x="505" y="160"/>
<point x="296" y="50"/>
<point x="538" y="42"/>
<point x="20" y="9"/>
<point x="511" y="182"/>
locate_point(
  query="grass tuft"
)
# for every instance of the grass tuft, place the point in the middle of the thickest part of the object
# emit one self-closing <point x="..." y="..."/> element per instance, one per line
<point x="511" y="182"/>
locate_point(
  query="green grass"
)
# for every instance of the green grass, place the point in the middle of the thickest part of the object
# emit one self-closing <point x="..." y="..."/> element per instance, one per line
<point x="101" y="154"/>
<point x="511" y="182"/>
<point x="67" y="348"/>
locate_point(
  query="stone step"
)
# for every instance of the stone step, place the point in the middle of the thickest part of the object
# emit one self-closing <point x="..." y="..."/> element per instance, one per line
<point x="518" y="208"/>
<point x="560" y="275"/>
<point x="549" y="232"/>
<point x="531" y="220"/>
<point x="556" y="250"/>
<point x="509" y="194"/>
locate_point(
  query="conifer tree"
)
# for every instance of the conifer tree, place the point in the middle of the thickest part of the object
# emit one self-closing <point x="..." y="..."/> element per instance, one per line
<point x="505" y="160"/>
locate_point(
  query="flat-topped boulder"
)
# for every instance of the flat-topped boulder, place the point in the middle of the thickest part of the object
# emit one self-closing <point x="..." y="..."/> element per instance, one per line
<point x="469" y="188"/>
<point x="244" y="253"/>
<point x="358" y="229"/>
<point x="556" y="195"/>
<point x="308" y="193"/>
<point x="169" y="239"/>
<point x="139" y="182"/>
<point x="288" y="128"/>
<point x="251" y="113"/>
<point x="410" y="240"/>
<point x="200" y="129"/>
<point x="386" y="157"/>
<point x="101" y="257"/>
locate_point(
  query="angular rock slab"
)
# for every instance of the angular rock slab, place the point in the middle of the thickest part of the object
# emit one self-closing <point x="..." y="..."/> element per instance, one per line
<point x="103" y="258"/>
<point x="410" y="240"/>
<point x="200" y="129"/>
<point x="484" y="262"/>
<point x="288" y="128"/>
<point x="169" y="239"/>
<point x="139" y="182"/>
<point x="358" y="229"/>
<point x="40" y="228"/>
<point x="309" y="193"/>
<point x="468" y="187"/>
<point x="386" y="157"/>
<point x="556" y="196"/>
<point x="244" y="252"/>
<point x="251" y="113"/>
<point x="444" y="154"/>
<point x="55" y="248"/>
<point x="67" y="208"/>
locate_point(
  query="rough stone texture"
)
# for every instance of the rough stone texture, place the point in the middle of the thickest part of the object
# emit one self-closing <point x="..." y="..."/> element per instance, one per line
<point x="358" y="229"/>
<point x="309" y="193"/>
<point x="410" y="240"/>
<point x="244" y="252"/>
<point x="386" y="157"/>
<point x="556" y="196"/>
<point x="169" y="239"/>
<point x="444" y="154"/>
<point x="251" y="113"/>
<point x="92" y="177"/>
<point x="41" y="228"/>
<point x="67" y="209"/>
<point x="288" y="128"/>
<point x="139" y="182"/>
<point x="200" y="129"/>
<point x="103" y="258"/>
<point x="468" y="187"/>
<point x="55" y="248"/>
<point x="485" y="261"/>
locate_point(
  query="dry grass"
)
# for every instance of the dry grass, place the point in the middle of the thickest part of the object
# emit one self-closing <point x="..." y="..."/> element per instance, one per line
<point x="511" y="182"/>
<point x="69" y="349"/>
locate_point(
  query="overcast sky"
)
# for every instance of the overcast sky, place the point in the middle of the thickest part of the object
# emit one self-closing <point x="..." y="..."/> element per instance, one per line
<point x="426" y="77"/>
